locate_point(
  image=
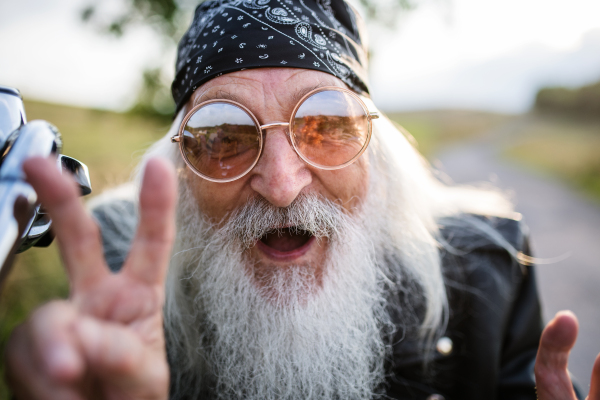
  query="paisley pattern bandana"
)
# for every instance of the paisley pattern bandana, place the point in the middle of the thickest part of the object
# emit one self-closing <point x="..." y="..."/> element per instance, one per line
<point x="233" y="35"/>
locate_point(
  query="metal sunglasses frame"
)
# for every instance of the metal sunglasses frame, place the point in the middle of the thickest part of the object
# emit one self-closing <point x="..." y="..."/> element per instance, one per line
<point x="261" y="130"/>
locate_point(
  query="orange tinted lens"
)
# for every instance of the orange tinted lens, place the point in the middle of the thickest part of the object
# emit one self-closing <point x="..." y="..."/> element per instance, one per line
<point x="330" y="128"/>
<point x="221" y="141"/>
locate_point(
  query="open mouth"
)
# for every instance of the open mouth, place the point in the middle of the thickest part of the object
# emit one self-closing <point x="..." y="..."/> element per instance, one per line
<point x="286" y="243"/>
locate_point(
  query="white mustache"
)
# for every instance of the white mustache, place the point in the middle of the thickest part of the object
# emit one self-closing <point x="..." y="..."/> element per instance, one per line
<point x="308" y="213"/>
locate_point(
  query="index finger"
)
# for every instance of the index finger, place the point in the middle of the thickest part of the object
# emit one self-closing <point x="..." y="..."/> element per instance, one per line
<point x="151" y="247"/>
<point x="77" y="233"/>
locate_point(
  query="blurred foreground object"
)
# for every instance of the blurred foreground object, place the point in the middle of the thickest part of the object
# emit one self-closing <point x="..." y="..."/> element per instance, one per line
<point x="23" y="222"/>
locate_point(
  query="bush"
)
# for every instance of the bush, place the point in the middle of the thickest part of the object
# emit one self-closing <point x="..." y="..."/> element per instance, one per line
<point x="583" y="101"/>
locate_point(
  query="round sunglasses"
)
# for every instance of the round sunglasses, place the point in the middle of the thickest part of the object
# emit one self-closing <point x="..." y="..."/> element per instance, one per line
<point x="221" y="140"/>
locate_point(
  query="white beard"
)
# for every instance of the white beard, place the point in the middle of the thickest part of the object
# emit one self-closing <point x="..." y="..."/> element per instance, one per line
<point x="288" y="337"/>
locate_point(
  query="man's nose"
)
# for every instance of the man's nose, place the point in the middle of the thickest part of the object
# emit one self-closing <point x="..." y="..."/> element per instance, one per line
<point x="280" y="174"/>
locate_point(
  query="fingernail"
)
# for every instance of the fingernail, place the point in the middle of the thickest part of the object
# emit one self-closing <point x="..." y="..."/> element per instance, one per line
<point x="564" y="312"/>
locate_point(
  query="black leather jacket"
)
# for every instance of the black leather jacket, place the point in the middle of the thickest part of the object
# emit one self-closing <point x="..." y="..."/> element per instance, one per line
<point x="494" y="324"/>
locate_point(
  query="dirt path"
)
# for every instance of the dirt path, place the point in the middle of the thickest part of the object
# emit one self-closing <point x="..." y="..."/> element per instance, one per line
<point x="561" y="222"/>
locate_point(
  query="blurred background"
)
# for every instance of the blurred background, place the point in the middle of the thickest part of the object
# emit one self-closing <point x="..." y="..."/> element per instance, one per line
<point x="506" y="92"/>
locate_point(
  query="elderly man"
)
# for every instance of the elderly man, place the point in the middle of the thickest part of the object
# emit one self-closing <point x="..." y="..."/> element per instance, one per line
<point x="315" y="254"/>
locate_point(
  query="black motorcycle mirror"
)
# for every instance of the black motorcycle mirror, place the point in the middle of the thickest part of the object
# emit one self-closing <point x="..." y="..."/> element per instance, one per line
<point x="23" y="222"/>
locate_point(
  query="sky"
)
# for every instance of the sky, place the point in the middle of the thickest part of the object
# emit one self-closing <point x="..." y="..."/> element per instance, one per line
<point x="485" y="54"/>
<point x="226" y="114"/>
<point x="481" y="54"/>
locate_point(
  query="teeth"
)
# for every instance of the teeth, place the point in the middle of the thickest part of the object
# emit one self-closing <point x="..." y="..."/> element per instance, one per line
<point x="294" y="230"/>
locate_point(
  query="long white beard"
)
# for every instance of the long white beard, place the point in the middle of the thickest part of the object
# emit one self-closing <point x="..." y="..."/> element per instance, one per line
<point x="294" y="335"/>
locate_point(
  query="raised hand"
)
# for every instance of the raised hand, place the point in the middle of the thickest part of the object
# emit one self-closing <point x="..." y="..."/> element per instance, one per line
<point x="551" y="375"/>
<point x="107" y="340"/>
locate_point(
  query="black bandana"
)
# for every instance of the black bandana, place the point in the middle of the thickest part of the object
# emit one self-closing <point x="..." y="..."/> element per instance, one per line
<point x="233" y="35"/>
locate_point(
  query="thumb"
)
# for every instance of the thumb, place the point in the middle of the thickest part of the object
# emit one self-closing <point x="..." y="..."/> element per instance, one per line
<point x="551" y="375"/>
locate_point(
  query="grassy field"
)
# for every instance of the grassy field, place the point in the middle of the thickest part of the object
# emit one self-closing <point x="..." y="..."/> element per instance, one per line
<point x="566" y="147"/>
<point x="433" y="130"/>
<point x="559" y="145"/>
<point x="109" y="143"/>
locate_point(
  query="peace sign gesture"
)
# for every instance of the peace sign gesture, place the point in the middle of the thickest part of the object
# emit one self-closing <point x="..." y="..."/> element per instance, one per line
<point x="107" y="340"/>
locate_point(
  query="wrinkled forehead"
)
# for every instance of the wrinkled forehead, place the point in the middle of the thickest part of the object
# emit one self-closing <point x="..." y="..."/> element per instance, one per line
<point x="286" y="86"/>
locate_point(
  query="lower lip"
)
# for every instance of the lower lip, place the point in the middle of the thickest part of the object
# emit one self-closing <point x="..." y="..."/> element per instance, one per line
<point x="285" y="255"/>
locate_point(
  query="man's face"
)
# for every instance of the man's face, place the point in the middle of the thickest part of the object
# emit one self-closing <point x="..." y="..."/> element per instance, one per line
<point x="280" y="175"/>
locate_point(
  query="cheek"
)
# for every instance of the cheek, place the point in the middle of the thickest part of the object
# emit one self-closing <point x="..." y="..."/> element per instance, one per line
<point x="347" y="185"/>
<point x="215" y="200"/>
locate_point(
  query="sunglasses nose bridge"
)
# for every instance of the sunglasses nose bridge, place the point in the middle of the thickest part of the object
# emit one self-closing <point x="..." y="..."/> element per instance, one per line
<point x="275" y="125"/>
<point x="285" y="125"/>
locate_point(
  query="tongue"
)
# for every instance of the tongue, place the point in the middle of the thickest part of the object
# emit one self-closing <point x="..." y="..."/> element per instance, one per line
<point x="286" y="240"/>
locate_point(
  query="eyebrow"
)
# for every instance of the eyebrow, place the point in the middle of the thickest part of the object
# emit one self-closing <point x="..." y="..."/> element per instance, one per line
<point x="300" y="93"/>
<point x="218" y="95"/>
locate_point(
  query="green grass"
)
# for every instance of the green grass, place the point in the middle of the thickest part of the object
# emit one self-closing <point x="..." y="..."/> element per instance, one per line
<point x="110" y="144"/>
<point x="433" y="130"/>
<point x="561" y="146"/>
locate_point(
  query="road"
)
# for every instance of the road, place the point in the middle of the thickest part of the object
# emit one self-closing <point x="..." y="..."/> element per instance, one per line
<point x="561" y="221"/>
